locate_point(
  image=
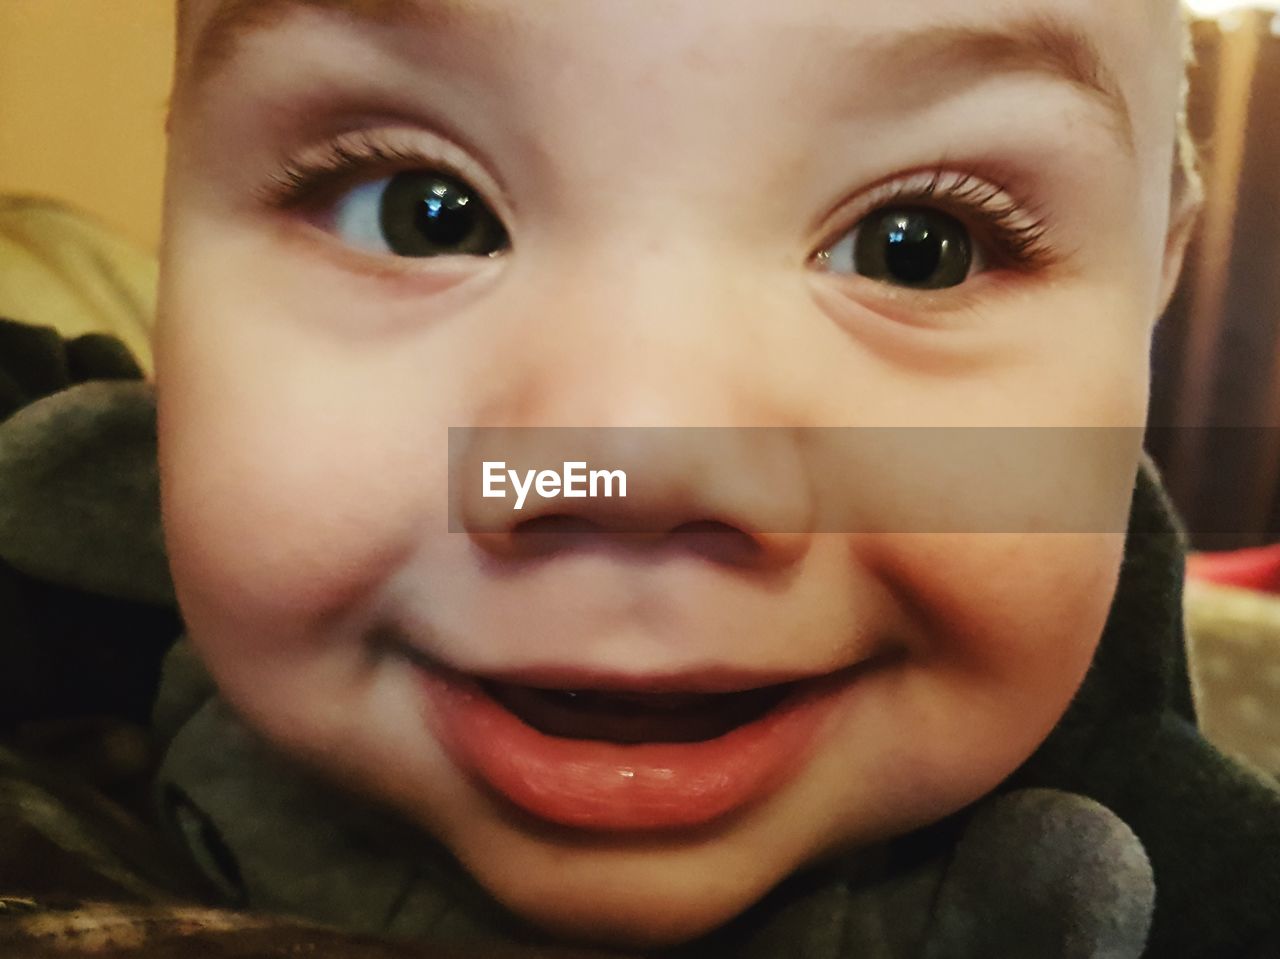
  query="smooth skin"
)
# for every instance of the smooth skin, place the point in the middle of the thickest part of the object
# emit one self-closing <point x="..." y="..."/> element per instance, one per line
<point x="668" y="174"/>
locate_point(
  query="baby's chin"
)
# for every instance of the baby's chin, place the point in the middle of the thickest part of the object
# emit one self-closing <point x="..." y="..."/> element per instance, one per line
<point x="630" y="894"/>
<point x="639" y="905"/>
<point x="658" y="890"/>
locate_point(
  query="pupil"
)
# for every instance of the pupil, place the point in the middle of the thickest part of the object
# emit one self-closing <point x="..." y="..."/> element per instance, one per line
<point x="444" y="215"/>
<point x="913" y="251"/>
<point x="913" y="247"/>
<point x="431" y="214"/>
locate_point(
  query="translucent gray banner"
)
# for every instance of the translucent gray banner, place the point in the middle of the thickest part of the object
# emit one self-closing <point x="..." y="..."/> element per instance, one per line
<point x="777" y="480"/>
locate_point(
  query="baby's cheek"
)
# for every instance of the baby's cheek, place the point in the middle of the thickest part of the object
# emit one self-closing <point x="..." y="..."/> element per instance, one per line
<point x="1007" y="605"/>
<point x="283" y="522"/>
<point x="1005" y="626"/>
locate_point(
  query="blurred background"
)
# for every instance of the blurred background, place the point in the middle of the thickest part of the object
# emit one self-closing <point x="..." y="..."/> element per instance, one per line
<point x="83" y="86"/>
<point x="1215" y="413"/>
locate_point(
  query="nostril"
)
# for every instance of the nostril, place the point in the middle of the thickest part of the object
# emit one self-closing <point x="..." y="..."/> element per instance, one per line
<point x="717" y="541"/>
<point x="553" y="533"/>
<point x="557" y="524"/>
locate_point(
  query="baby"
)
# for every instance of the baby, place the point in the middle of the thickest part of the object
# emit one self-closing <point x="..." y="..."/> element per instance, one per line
<point x="390" y="218"/>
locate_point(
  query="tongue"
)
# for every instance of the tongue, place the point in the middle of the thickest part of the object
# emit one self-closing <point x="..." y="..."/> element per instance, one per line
<point x="635" y="717"/>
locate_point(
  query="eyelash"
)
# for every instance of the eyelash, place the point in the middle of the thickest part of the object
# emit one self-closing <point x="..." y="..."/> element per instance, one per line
<point x="315" y="176"/>
<point x="1018" y="235"/>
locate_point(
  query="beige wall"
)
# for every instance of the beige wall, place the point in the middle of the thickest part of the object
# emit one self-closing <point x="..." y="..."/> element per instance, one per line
<point x="83" y="85"/>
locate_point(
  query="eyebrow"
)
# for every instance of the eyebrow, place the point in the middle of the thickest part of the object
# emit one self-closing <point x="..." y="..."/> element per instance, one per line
<point x="234" y="20"/>
<point x="1037" y="44"/>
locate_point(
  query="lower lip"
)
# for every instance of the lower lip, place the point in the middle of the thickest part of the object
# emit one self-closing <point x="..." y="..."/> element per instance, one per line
<point x="594" y="785"/>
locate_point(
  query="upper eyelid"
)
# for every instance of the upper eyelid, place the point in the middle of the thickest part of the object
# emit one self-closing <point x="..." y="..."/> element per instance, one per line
<point x="938" y="182"/>
<point x="398" y="149"/>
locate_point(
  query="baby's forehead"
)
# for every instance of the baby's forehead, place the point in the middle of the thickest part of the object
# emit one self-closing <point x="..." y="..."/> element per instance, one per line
<point x="1091" y="42"/>
<point x="785" y="71"/>
<point x="866" y="17"/>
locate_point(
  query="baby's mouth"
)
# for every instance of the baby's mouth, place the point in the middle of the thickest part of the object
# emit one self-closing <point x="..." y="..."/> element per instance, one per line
<point x="633" y="717"/>
<point x="628" y="753"/>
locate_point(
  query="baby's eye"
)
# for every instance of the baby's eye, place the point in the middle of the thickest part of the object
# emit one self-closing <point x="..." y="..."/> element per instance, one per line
<point x="908" y="246"/>
<point x="419" y="214"/>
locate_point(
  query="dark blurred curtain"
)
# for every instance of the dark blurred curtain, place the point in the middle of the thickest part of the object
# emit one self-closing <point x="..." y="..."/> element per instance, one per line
<point x="1215" y="415"/>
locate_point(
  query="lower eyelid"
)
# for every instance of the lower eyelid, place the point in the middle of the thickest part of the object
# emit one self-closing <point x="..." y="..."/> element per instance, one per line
<point x="850" y="295"/>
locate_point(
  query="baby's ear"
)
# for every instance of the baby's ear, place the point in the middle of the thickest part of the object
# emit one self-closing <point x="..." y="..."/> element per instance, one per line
<point x="1182" y="224"/>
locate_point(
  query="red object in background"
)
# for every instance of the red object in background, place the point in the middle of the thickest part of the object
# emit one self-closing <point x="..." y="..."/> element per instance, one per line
<point x="1257" y="568"/>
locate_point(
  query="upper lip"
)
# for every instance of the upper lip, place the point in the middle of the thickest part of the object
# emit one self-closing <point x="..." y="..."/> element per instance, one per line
<point x="707" y="680"/>
<point x="702" y="679"/>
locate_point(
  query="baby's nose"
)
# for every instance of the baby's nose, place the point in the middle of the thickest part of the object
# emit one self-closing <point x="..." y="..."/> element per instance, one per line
<point x="738" y="496"/>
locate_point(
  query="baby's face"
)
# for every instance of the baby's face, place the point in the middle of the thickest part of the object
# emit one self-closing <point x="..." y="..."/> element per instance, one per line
<point x="390" y="218"/>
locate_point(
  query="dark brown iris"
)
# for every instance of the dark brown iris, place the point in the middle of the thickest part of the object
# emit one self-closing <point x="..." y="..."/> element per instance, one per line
<point x="431" y="214"/>
<point x="914" y="247"/>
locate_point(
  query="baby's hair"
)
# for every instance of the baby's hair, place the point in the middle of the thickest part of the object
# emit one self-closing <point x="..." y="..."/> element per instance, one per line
<point x="1188" y="186"/>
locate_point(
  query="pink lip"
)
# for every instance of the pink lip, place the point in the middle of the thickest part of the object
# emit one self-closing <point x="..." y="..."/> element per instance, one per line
<point x="701" y="680"/>
<point x="595" y="785"/>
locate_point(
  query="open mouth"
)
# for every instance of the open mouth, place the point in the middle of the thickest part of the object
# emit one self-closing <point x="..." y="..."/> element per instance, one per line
<point x="628" y="759"/>
<point x="629" y="718"/>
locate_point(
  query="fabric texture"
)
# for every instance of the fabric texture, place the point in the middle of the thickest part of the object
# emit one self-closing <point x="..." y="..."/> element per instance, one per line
<point x="61" y="268"/>
<point x="1124" y="835"/>
<point x="1235" y="665"/>
<point x="79" y="530"/>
